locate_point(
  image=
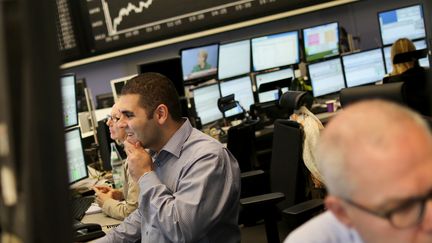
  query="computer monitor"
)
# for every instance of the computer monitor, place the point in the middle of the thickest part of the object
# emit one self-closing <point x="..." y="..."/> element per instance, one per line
<point x="104" y="100"/>
<point x="276" y="50"/>
<point x="242" y="90"/>
<point x="234" y="59"/>
<point x="321" y="41"/>
<point x="70" y="110"/>
<point x="205" y="99"/>
<point x="117" y="85"/>
<point x="363" y="67"/>
<point x="77" y="168"/>
<point x="272" y="95"/>
<point x="199" y="63"/>
<point x="399" y="23"/>
<point x="420" y="44"/>
<point x="326" y="77"/>
<point x="170" y="67"/>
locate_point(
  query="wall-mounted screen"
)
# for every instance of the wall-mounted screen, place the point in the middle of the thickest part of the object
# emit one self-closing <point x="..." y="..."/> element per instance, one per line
<point x="272" y="95"/>
<point x="117" y="25"/>
<point x="199" y="62"/>
<point x="326" y="77"/>
<point x="402" y="23"/>
<point x="420" y="44"/>
<point x="321" y="41"/>
<point x="234" y="59"/>
<point x="275" y="50"/>
<point x="70" y="112"/>
<point x="364" y="67"/>
<point x="242" y="90"/>
<point x="205" y="99"/>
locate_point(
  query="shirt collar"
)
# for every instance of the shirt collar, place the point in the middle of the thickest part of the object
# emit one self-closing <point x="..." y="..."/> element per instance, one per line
<point x="175" y="143"/>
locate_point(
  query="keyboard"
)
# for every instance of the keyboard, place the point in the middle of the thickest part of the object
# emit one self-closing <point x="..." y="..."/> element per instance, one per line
<point x="80" y="206"/>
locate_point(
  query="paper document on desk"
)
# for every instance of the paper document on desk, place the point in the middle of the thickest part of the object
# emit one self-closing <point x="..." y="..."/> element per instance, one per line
<point x="94" y="208"/>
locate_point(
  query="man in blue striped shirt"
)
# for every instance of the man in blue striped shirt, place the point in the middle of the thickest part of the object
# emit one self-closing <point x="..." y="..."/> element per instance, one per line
<point x="189" y="183"/>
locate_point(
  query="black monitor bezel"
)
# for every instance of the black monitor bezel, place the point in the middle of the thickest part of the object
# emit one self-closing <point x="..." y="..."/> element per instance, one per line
<point x="324" y="58"/>
<point x="250" y="58"/>
<point x="393" y="9"/>
<point x="178" y="84"/>
<point x="280" y="67"/>
<point x="76" y="103"/>
<point x="72" y="129"/>
<point x="198" y="80"/>
<point x="359" y="52"/>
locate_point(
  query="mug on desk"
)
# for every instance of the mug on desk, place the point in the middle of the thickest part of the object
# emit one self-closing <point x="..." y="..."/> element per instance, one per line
<point x="331" y="105"/>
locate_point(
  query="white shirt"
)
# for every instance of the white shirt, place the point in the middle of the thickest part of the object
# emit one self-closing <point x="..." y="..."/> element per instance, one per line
<point x="324" y="228"/>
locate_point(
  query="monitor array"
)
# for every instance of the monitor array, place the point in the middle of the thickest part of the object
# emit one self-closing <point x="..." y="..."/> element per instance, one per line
<point x="240" y="67"/>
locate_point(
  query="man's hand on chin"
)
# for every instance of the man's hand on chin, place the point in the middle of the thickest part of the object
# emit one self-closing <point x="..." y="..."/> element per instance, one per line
<point x="139" y="161"/>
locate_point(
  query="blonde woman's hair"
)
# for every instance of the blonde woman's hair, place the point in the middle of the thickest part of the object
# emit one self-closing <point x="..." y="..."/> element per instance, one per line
<point x="401" y="46"/>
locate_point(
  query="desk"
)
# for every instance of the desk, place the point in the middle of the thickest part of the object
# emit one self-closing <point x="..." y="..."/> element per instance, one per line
<point x="107" y="223"/>
<point x="325" y="117"/>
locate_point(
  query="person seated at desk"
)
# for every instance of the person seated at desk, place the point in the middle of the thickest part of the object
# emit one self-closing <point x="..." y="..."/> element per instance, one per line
<point x="416" y="83"/>
<point x="189" y="183"/>
<point x="407" y="70"/>
<point x="376" y="160"/>
<point x="312" y="128"/>
<point x="109" y="199"/>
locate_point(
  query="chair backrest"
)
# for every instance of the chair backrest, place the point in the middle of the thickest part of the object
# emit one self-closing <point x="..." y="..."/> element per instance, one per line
<point x="390" y="91"/>
<point x="241" y="143"/>
<point x="287" y="172"/>
<point x="293" y="100"/>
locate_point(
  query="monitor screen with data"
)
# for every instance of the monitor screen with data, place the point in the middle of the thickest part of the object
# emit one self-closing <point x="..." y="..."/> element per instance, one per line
<point x="399" y="23"/>
<point x="272" y="95"/>
<point x="77" y="168"/>
<point x="321" y="41"/>
<point x="70" y="112"/>
<point x="242" y="90"/>
<point x="326" y="77"/>
<point x="234" y="59"/>
<point x="205" y="99"/>
<point x="364" y="67"/>
<point x="199" y="62"/>
<point x="420" y="44"/>
<point x="275" y="50"/>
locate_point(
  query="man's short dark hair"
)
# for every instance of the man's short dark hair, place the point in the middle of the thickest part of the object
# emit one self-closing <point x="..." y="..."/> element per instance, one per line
<point x="154" y="89"/>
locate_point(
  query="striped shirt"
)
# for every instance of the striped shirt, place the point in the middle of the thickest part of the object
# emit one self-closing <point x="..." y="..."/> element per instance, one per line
<point x="191" y="196"/>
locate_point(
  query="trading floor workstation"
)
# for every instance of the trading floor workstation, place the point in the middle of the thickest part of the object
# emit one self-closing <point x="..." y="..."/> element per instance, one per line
<point x="241" y="91"/>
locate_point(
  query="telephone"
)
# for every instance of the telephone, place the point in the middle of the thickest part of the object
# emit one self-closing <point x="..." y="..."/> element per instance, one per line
<point x="86" y="232"/>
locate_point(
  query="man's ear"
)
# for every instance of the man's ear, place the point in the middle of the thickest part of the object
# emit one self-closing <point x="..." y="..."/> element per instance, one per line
<point x="338" y="208"/>
<point x="161" y="114"/>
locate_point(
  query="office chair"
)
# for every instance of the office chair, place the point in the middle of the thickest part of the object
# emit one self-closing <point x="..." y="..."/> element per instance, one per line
<point x="241" y="143"/>
<point x="293" y="100"/>
<point x="414" y="94"/>
<point x="288" y="180"/>
<point x="391" y="91"/>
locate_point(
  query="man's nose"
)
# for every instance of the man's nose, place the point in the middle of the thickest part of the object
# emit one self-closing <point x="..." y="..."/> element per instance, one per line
<point x="121" y="123"/>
